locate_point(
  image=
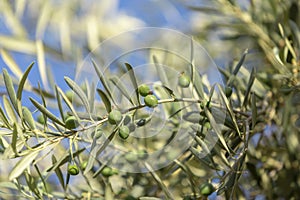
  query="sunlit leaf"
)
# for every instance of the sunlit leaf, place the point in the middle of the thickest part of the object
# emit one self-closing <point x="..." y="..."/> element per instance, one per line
<point x="10" y="89"/>
<point x="22" y="82"/>
<point x="46" y="112"/>
<point x="77" y="89"/>
<point x="27" y="116"/>
<point x="133" y="80"/>
<point x="9" y="110"/>
<point x="103" y="80"/>
<point x="119" y="84"/>
<point x="22" y="165"/>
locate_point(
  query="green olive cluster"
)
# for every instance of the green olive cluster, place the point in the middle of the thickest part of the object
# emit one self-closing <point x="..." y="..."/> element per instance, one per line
<point x="115" y="117"/>
<point x="149" y="99"/>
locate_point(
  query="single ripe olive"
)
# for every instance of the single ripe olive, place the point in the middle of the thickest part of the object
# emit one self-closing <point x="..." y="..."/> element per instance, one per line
<point x="41" y="119"/>
<point x="151" y="101"/>
<point x="124" y="132"/>
<point x="228" y="91"/>
<point x="73" y="170"/>
<point x="144" y="90"/>
<point x="114" y="117"/>
<point x="131" y="157"/>
<point x="71" y="122"/>
<point x="107" y="171"/>
<point x="184" y="81"/>
<point x="206" y="189"/>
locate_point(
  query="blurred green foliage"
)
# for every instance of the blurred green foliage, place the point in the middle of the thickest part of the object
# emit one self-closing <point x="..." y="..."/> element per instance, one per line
<point x="257" y="153"/>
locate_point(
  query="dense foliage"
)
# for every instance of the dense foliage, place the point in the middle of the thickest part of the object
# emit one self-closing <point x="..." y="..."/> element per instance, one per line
<point x="242" y="133"/>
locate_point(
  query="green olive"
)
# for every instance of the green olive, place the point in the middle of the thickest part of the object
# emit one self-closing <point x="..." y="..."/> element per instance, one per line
<point x="142" y="154"/>
<point x="124" y="132"/>
<point x="83" y="165"/>
<point x="207" y="125"/>
<point x="184" y="81"/>
<point x="131" y="157"/>
<point x="107" y="171"/>
<point x="114" y="117"/>
<point x="70" y="95"/>
<point x="71" y="122"/>
<point x="144" y="90"/>
<point x="127" y="120"/>
<point x="41" y="119"/>
<point x="206" y="189"/>
<point x="151" y="100"/>
<point x="73" y="170"/>
<point x="228" y="91"/>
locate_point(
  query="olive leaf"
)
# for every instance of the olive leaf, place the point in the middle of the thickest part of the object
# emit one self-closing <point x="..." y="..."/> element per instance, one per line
<point x="46" y="112"/>
<point x="105" y="100"/>
<point x="133" y="81"/>
<point x="119" y="84"/>
<point x="22" y="165"/>
<point x="10" y="89"/>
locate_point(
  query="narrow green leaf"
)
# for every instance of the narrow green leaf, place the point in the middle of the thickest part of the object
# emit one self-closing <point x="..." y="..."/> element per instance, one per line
<point x="105" y="100"/>
<point x="22" y="165"/>
<point x="229" y="109"/>
<point x="249" y="86"/>
<point x="77" y="89"/>
<point x="216" y="128"/>
<point x="119" y="84"/>
<point x="240" y="63"/>
<point x="46" y="112"/>
<point x="159" y="181"/>
<point x="69" y="104"/>
<point x="237" y="67"/>
<point x="4" y="118"/>
<point x="10" y="89"/>
<point x="197" y="82"/>
<point x="133" y="81"/>
<point x="9" y="110"/>
<point x="41" y="177"/>
<point x="22" y="82"/>
<point x="103" y="80"/>
<point x="58" y="173"/>
<point x="14" y="140"/>
<point x="161" y="72"/>
<point x="60" y="108"/>
<point x="253" y="110"/>
<point x="27" y="116"/>
<point x="32" y="184"/>
<point x="65" y="158"/>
